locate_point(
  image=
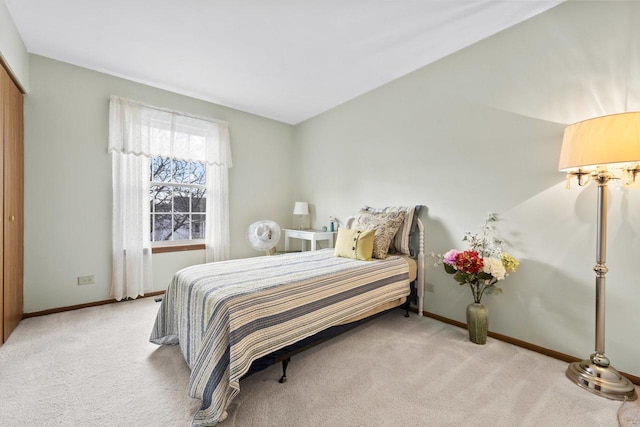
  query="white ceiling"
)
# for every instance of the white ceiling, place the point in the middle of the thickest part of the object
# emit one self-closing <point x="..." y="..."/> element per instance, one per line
<point x="288" y="60"/>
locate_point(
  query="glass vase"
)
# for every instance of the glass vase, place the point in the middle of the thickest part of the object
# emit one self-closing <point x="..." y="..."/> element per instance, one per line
<point x="477" y="323"/>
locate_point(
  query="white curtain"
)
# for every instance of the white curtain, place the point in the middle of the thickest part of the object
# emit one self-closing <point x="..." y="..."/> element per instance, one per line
<point x="138" y="132"/>
<point x="131" y="273"/>
<point x="217" y="229"/>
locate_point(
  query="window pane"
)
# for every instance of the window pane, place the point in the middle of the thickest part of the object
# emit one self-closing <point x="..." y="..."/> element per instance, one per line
<point x="181" y="227"/>
<point x="162" y="227"/>
<point x="198" y="200"/>
<point x="197" y="226"/>
<point x="181" y="171"/>
<point x="160" y="198"/>
<point x="198" y="175"/>
<point x="181" y="197"/>
<point x="160" y="169"/>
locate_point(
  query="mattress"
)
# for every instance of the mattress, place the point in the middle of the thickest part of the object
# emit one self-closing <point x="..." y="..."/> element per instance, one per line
<point x="413" y="273"/>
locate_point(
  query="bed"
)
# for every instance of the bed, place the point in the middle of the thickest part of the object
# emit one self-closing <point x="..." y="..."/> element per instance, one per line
<point x="228" y="316"/>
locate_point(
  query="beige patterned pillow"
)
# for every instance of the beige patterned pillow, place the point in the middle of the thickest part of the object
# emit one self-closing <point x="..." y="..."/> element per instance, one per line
<point x="401" y="242"/>
<point x="385" y="224"/>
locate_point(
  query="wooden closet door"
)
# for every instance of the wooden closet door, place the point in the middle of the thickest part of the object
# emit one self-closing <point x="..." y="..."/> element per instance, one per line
<point x="3" y="77"/>
<point x="13" y="205"/>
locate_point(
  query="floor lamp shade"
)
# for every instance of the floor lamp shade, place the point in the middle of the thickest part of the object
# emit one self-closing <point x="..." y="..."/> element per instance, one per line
<point x="605" y="140"/>
<point x="602" y="149"/>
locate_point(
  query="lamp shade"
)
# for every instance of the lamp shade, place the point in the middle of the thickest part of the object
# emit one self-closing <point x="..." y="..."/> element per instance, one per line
<point x="301" y="208"/>
<point x="600" y="141"/>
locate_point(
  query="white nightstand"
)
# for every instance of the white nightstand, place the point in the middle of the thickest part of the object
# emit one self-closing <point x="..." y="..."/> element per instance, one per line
<point x="312" y="235"/>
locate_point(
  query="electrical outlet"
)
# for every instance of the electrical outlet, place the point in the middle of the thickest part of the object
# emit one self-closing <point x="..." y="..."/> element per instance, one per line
<point x="86" y="280"/>
<point x="430" y="287"/>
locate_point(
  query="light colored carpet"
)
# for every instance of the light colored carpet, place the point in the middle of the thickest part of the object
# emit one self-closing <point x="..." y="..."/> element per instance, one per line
<point x="95" y="367"/>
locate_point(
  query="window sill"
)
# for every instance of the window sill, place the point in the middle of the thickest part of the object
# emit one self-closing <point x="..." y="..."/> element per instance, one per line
<point x="177" y="248"/>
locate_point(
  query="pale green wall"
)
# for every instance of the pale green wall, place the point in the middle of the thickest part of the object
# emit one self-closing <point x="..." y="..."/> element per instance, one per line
<point x="12" y="48"/>
<point x="480" y="131"/>
<point x="68" y="180"/>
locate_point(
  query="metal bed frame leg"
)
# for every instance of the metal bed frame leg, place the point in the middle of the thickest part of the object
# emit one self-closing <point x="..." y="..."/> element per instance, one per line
<point x="283" y="378"/>
<point x="407" y="306"/>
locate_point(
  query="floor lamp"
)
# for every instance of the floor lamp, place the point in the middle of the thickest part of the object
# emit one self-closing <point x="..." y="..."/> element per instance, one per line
<point x="602" y="149"/>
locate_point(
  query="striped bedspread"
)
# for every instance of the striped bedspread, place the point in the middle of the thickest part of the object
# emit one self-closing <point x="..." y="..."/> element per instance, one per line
<point x="225" y="315"/>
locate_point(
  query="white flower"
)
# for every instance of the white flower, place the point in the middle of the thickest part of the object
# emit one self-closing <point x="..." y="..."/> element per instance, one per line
<point x="494" y="267"/>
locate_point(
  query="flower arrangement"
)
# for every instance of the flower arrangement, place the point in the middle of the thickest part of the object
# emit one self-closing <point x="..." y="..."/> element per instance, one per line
<point x="483" y="265"/>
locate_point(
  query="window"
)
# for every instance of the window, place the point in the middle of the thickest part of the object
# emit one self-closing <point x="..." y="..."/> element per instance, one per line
<point x="177" y="196"/>
<point x="169" y="169"/>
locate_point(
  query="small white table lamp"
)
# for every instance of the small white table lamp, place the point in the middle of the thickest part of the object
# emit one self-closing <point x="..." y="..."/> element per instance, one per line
<point x="301" y="208"/>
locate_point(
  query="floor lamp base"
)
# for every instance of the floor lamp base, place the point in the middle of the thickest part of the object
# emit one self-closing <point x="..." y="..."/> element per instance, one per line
<point x="603" y="381"/>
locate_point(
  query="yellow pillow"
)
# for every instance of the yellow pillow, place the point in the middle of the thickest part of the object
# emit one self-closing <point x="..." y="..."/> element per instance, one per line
<point x="356" y="244"/>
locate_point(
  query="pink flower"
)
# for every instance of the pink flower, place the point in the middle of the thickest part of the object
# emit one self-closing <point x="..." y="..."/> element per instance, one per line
<point x="450" y="257"/>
